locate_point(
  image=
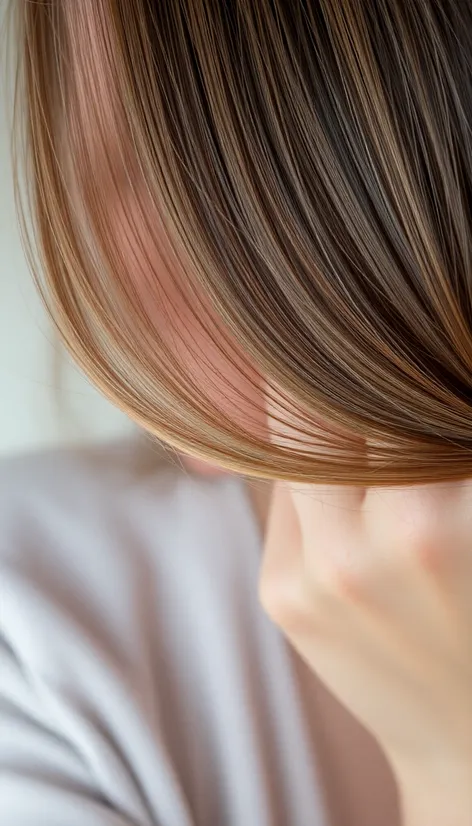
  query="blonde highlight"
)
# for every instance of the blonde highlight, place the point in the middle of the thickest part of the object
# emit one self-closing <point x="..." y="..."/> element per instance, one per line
<point x="291" y="182"/>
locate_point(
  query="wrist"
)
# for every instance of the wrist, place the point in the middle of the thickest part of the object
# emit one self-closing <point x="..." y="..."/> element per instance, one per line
<point x="435" y="795"/>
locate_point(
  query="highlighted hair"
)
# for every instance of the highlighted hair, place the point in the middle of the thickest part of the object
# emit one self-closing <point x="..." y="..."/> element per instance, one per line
<point x="294" y="181"/>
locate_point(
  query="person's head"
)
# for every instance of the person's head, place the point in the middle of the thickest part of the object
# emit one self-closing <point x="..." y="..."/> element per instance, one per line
<point x="262" y="202"/>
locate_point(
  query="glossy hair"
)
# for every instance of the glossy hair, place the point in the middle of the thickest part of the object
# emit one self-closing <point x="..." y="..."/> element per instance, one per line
<point x="300" y="174"/>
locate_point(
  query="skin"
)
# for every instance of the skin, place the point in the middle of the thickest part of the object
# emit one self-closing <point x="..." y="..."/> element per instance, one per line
<point x="373" y="589"/>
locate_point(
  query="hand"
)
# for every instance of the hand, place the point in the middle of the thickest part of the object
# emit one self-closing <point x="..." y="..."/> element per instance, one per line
<point x="374" y="589"/>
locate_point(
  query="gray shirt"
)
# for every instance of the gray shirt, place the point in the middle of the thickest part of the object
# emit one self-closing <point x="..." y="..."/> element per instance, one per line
<point x="140" y="681"/>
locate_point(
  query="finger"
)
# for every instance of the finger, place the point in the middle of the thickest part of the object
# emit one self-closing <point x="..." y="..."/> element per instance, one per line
<point x="429" y="530"/>
<point x="421" y="517"/>
<point x="325" y="510"/>
<point x="335" y="556"/>
<point x="281" y="590"/>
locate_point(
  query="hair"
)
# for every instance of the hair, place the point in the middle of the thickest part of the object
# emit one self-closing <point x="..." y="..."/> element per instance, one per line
<point x="294" y="180"/>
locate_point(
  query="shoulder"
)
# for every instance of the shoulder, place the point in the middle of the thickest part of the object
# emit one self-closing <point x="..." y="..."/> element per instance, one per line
<point x="60" y="495"/>
<point x="137" y="670"/>
<point x="121" y="577"/>
<point x="107" y="546"/>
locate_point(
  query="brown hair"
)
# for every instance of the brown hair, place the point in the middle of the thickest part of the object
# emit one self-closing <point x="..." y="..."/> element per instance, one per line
<point x="300" y="175"/>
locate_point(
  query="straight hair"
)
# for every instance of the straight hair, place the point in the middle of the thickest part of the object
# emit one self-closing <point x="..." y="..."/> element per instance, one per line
<point x="291" y="181"/>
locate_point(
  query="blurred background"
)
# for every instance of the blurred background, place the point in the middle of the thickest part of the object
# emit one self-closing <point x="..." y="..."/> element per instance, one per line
<point x="44" y="399"/>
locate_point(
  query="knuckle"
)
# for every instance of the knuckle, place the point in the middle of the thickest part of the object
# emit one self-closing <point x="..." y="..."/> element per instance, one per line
<point x="282" y="606"/>
<point x="340" y="575"/>
<point x="340" y="580"/>
<point x="425" y="550"/>
<point x="420" y="544"/>
<point x="268" y="598"/>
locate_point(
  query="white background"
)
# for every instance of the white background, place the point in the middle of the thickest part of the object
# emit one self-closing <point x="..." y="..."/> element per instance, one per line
<point x="38" y="407"/>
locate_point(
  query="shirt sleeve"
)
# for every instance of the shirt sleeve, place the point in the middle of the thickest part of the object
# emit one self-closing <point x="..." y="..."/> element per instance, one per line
<point x="43" y="777"/>
<point x="90" y="725"/>
<point x="74" y="742"/>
